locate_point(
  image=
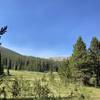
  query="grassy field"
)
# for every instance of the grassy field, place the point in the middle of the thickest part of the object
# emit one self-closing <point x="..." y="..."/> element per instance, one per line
<point x="56" y="86"/>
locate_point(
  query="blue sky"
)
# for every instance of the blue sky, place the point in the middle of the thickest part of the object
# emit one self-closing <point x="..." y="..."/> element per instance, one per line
<point x="48" y="27"/>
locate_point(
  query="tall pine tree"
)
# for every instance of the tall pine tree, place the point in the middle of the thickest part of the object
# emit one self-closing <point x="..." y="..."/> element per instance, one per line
<point x="95" y="55"/>
<point x="79" y="53"/>
<point x="2" y="31"/>
<point x="77" y="60"/>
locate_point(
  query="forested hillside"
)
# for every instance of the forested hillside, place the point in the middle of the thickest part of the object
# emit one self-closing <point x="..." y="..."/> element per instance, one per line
<point x="13" y="60"/>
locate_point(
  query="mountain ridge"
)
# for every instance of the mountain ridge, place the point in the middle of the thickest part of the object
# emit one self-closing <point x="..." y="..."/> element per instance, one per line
<point x="12" y="52"/>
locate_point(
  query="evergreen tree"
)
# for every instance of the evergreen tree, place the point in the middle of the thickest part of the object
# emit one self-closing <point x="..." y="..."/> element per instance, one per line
<point x="2" y="31"/>
<point x="95" y="55"/>
<point x="77" y="60"/>
<point x="65" y="71"/>
<point x="95" y="45"/>
<point x="79" y="53"/>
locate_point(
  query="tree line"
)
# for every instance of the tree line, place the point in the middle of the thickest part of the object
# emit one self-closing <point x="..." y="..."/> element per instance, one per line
<point x="12" y="60"/>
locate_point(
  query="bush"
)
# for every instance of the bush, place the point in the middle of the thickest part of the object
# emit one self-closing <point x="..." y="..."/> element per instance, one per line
<point x="41" y="90"/>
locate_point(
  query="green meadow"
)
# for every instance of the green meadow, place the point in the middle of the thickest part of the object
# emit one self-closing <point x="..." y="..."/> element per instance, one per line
<point x="27" y="80"/>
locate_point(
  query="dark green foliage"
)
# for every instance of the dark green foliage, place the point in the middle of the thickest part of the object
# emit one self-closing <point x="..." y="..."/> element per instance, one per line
<point x="1" y="66"/>
<point x="65" y="71"/>
<point x="79" y="53"/>
<point x="2" y="31"/>
<point x="95" y="45"/>
<point x="95" y="58"/>
<point x="85" y="64"/>
<point x="88" y="61"/>
<point x="77" y="60"/>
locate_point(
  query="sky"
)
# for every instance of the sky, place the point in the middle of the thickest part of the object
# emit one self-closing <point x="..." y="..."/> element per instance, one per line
<point x="47" y="28"/>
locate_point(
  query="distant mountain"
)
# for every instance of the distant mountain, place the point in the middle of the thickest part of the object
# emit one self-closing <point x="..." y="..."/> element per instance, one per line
<point x="14" y="53"/>
<point x="58" y="58"/>
<point x="8" y="51"/>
